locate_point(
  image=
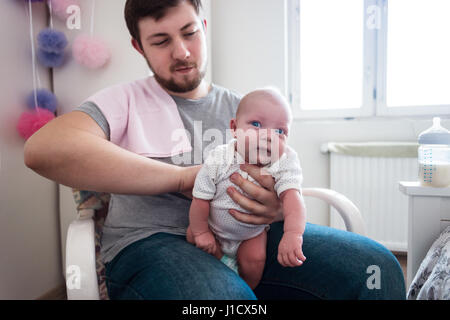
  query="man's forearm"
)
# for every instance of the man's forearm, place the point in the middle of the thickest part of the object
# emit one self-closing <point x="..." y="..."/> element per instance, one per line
<point x="82" y="160"/>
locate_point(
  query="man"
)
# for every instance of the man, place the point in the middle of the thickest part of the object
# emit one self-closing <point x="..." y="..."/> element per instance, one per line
<point x="144" y="247"/>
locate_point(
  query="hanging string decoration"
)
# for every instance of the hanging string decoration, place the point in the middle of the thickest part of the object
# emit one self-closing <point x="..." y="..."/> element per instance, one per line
<point x="45" y="99"/>
<point x="31" y="121"/>
<point x="89" y="50"/>
<point x="51" y="45"/>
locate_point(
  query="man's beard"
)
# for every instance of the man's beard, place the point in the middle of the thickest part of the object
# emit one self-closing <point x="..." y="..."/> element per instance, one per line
<point x="186" y="86"/>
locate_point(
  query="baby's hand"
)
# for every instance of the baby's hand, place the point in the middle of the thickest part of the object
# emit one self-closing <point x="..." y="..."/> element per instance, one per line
<point x="290" y="252"/>
<point x="206" y="242"/>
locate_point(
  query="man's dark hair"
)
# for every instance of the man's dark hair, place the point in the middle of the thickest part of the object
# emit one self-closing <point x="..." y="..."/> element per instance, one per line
<point x="135" y="10"/>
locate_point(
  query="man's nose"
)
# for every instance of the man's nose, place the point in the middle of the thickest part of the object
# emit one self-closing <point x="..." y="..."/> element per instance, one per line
<point x="180" y="51"/>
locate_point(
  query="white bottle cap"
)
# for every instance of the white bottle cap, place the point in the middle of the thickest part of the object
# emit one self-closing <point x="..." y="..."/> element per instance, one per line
<point x="435" y="135"/>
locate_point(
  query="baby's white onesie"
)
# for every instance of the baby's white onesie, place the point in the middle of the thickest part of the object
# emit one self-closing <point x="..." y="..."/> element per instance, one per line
<point x="213" y="180"/>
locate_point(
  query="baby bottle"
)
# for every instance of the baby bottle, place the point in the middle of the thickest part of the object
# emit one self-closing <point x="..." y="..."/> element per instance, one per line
<point x="434" y="156"/>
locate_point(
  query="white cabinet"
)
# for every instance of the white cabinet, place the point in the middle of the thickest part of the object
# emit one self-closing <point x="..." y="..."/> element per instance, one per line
<point x="428" y="216"/>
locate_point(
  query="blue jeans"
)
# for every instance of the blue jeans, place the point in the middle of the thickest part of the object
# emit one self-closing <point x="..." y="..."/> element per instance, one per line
<point x="339" y="265"/>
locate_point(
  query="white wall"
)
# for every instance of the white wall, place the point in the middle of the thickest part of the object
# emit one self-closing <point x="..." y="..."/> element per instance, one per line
<point x="29" y="238"/>
<point x="248" y="47"/>
<point x="249" y="51"/>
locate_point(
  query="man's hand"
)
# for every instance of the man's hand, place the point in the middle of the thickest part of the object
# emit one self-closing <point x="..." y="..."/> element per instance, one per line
<point x="266" y="206"/>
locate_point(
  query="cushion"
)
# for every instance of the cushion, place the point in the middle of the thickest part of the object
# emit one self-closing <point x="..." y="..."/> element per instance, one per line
<point x="99" y="202"/>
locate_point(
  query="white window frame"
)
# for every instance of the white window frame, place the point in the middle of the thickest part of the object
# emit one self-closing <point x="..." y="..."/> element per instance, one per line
<point x="382" y="109"/>
<point x="374" y="69"/>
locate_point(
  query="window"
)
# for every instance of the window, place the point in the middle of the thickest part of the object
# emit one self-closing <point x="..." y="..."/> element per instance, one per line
<point x="359" y="58"/>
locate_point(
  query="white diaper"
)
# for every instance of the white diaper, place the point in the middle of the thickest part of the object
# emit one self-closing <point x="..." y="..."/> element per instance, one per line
<point x="229" y="247"/>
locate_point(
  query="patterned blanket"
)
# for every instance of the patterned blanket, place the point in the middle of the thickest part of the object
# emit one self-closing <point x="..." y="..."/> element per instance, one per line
<point x="432" y="280"/>
<point x="99" y="202"/>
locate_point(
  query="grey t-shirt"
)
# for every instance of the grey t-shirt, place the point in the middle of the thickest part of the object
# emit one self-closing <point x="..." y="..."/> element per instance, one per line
<point x="134" y="217"/>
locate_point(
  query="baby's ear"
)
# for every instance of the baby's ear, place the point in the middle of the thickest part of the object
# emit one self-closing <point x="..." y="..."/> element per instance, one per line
<point x="233" y="127"/>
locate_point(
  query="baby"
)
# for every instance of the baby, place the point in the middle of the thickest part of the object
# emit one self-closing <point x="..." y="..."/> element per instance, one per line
<point x="260" y="130"/>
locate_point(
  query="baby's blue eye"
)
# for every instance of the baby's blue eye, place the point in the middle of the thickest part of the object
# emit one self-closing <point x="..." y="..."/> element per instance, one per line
<point x="256" y="124"/>
<point x="279" y="131"/>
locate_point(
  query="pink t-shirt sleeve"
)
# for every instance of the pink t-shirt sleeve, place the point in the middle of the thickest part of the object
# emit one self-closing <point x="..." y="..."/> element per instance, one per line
<point x="143" y="118"/>
<point x="113" y="103"/>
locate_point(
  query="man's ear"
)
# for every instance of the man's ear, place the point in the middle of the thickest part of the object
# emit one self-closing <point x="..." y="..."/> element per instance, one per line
<point x="136" y="45"/>
<point x="205" y="25"/>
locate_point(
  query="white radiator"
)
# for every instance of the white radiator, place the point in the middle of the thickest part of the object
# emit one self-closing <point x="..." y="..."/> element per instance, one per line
<point x="371" y="182"/>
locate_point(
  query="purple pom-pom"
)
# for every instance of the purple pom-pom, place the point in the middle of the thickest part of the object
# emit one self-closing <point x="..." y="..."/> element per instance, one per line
<point x="50" y="59"/>
<point x="52" y="40"/>
<point x="45" y="100"/>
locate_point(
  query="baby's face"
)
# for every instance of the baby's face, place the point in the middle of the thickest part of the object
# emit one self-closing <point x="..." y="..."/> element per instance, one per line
<point x="261" y="128"/>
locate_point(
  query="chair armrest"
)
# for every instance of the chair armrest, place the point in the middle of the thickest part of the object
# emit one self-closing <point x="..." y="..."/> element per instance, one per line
<point x="81" y="273"/>
<point x="348" y="211"/>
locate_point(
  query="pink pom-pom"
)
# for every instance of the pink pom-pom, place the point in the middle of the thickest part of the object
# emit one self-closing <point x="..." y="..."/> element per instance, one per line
<point x="90" y="52"/>
<point x="59" y="7"/>
<point x="32" y="121"/>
